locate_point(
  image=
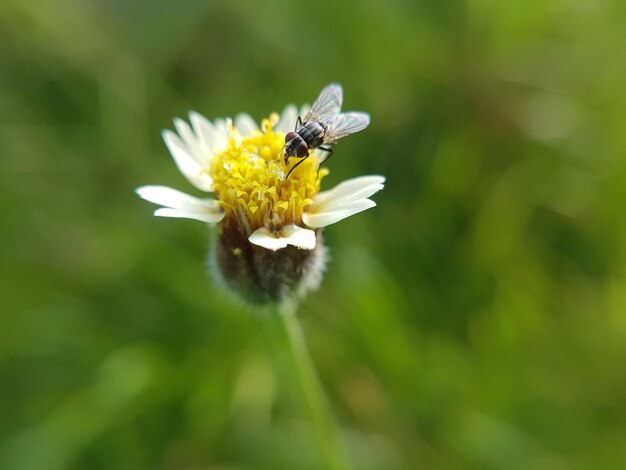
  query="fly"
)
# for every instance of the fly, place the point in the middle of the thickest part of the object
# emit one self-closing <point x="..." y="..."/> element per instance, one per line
<point x="322" y="126"/>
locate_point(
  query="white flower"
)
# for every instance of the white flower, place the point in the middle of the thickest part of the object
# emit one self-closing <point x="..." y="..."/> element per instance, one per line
<point x="269" y="240"/>
<point x="242" y="166"/>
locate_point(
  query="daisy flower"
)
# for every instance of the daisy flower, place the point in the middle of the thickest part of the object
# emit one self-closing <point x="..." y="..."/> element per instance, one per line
<point x="269" y="225"/>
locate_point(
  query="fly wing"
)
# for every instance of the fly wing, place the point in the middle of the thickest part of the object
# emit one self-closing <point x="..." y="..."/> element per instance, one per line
<point x="327" y="105"/>
<point x="346" y="124"/>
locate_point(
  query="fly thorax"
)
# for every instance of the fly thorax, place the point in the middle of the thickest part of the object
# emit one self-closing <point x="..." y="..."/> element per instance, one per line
<point x="312" y="133"/>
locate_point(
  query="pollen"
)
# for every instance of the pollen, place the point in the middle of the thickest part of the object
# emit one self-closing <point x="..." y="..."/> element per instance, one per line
<point x="251" y="184"/>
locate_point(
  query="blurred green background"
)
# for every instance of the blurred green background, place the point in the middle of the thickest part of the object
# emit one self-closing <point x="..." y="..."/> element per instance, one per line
<point x="475" y="319"/>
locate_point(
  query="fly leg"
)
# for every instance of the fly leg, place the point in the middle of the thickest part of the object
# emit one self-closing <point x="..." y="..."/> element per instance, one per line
<point x="294" y="167"/>
<point x="330" y="154"/>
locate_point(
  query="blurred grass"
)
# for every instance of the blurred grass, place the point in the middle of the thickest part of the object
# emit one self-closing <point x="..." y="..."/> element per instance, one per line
<point x="474" y="319"/>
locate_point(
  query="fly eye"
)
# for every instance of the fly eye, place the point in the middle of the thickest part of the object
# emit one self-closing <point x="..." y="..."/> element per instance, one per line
<point x="290" y="136"/>
<point x="303" y="150"/>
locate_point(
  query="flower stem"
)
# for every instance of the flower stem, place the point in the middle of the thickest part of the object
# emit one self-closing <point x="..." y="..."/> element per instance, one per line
<point x="303" y="370"/>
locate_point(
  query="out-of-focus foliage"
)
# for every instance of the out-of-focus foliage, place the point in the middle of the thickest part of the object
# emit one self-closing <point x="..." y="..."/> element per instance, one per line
<point x="475" y="319"/>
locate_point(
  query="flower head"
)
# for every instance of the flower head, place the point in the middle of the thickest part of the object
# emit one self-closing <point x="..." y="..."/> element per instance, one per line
<point x="269" y="225"/>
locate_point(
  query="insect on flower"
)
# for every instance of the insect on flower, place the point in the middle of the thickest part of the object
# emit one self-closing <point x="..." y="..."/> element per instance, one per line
<point x="323" y="125"/>
<point x="269" y="242"/>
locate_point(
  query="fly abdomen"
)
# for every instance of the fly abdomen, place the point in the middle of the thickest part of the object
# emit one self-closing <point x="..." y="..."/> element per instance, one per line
<point x="313" y="133"/>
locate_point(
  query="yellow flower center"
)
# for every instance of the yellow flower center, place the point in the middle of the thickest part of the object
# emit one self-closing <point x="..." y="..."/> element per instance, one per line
<point x="251" y="184"/>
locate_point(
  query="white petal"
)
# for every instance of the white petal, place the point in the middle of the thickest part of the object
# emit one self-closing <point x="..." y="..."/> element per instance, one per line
<point x="360" y="185"/>
<point x="245" y="124"/>
<point x="175" y="199"/>
<point x="221" y="126"/>
<point x="213" y="139"/>
<point x="178" y="204"/>
<point x="194" y="143"/>
<point x="345" y="201"/>
<point x="299" y="237"/>
<point x="290" y="235"/>
<point x="288" y="119"/>
<point x="263" y="237"/>
<point x="187" y="165"/>
<point x="322" y="219"/>
<point x="208" y="218"/>
<point x="186" y="135"/>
